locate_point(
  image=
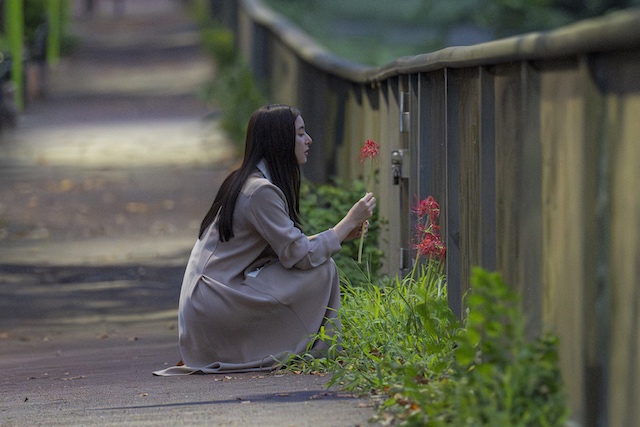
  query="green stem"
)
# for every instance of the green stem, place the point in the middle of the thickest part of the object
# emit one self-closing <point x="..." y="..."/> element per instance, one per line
<point x="361" y="244"/>
<point x="53" y="39"/>
<point x="362" y="230"/>
<point x="15" y="34"/>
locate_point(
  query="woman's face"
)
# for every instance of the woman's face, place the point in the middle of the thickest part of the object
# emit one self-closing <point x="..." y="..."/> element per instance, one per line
<point x="303" y="140"/>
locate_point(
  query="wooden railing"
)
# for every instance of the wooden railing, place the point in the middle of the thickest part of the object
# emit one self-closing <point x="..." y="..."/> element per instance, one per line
<point x="531" y="145"/>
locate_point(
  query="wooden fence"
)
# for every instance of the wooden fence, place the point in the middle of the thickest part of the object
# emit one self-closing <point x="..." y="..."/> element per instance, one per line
<point x="531" y="145"/>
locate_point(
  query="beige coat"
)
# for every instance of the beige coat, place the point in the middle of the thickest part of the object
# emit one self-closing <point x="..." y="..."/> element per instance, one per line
<point x="248" y="303"/>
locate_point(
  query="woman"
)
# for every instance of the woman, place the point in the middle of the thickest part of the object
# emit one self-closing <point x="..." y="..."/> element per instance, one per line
<point x="256" y="288"/>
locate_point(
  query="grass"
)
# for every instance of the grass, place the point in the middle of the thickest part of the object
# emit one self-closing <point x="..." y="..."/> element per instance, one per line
<point x="400" y="340"/>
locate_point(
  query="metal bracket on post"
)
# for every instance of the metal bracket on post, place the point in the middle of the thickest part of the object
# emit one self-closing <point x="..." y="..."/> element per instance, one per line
<point x="404" y="257"/>
<point x="398" y="158"/>
<point x="396" y="166"/>
<point x="405" y="115"/>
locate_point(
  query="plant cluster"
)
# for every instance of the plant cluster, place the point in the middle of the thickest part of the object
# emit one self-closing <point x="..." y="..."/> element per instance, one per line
<point x="427" y="232"/>
<point x="233" y="89"/>
<point x="401" y="341"/>
<point x="502" y="378"/>
<point x="322" y="206"/>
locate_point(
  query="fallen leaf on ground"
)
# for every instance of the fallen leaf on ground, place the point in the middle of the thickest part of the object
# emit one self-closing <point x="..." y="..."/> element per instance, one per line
<point x="136" y="207"/>
<point x="66" y="185"/>
<point x="79" y="377"/>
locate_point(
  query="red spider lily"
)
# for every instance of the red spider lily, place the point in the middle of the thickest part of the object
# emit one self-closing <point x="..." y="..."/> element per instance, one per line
<point x="370" y="150"/>
<point x="427" y="234"/>
<point x="428" y="207"/>
<point x="431" y="247"/>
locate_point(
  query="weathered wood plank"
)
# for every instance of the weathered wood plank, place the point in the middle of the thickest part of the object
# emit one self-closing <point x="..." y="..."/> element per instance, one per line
<point x="562" y="130"/>
<point x="621" y="75"/>
<point x="451" y="211"/>
<point x="487" y="177"/>
<point x="431" y="155"/>
<point x="388" y="194"/>
<point x="508" y="134"/>
<point x="468" y="124"/>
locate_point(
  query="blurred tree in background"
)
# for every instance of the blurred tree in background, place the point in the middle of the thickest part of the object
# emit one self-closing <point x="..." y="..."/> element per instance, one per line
<point x="375" y="32"/>
<point x="30" y="31"/>
<point x="580" y="9"/>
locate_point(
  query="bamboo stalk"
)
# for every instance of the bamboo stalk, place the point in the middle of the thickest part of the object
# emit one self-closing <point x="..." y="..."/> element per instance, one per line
<point x="54" y="14"/>
<point x="15" y="33"/>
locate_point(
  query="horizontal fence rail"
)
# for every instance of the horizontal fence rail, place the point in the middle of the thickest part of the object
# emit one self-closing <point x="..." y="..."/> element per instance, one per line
<point x="531" y="144"/>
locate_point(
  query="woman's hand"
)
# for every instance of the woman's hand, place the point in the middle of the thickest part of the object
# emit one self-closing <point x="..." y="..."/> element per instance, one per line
<point x="362" y="209"/>
<point x="357" y="215"/>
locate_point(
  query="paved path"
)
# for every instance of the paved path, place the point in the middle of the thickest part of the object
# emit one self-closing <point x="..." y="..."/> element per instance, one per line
<point x="102" y="188"/>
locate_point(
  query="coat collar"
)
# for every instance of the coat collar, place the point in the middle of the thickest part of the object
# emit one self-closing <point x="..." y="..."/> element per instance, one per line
<point x="262" y="167"/>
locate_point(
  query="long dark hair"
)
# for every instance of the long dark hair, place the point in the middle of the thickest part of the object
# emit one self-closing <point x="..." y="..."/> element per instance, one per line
<point x="271" y="136"/>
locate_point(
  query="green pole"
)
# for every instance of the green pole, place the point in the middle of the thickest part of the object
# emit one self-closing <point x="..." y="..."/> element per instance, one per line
<point x="53" y="38"/>
<point x="15" y="34"/>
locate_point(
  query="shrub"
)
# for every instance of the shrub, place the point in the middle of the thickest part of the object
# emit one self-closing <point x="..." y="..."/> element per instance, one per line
<point x="322" y="206"/>
<point x="236" y="94"/>
<point x="232" y="89"/>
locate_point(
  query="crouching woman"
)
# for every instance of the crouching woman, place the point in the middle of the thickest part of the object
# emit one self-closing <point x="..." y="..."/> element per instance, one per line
<point x="256" y="288"/>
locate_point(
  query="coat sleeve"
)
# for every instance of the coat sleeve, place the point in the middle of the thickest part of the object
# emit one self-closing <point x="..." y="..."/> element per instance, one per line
<point x="268" y="213"/>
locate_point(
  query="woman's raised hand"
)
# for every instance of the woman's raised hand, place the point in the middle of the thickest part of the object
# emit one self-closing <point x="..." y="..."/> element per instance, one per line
<point x="362" y="209"/>
<point x="357" y="215"/>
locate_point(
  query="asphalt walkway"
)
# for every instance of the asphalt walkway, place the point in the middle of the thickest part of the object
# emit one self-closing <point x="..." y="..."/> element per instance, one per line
<point x="102" y="187"/>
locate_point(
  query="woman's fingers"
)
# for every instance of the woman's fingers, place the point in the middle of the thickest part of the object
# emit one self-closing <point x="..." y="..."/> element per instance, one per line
<point x="370" y="203"/>
<point x="363" y="209"/>
<point x="363" y="230"/>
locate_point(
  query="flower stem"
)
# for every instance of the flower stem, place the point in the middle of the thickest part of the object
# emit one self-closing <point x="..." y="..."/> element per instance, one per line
<point x="362" y="230"/>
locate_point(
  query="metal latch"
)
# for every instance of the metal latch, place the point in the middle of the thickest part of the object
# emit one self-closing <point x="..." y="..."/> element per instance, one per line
<point x="396" y="166"/>
<point x="398" y="157"/>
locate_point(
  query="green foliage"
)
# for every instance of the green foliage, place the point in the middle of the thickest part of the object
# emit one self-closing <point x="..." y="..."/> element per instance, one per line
<point x="237" y="95"/>
<point x="504" y="380"/>
<point x="400" y="339"/>
<point x="219" y="43"/>
<point x="322" y="206"/>
<point x="391" y="328"/>
<point x="4" y="46"/>
<point x="35" y="14"/>
<point x="233" y="89"/>
<point x="510" y="17"/>
<point x="376" y="32"/>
